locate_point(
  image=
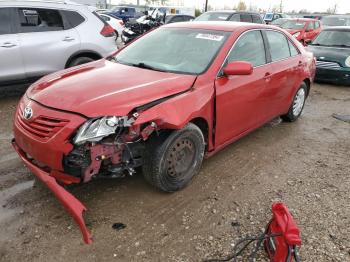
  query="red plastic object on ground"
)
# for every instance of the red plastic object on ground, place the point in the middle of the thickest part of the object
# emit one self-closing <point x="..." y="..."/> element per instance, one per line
<point x="282" y="248"/>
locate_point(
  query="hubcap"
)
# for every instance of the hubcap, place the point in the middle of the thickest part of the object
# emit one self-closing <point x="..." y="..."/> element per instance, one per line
<point x="299" y="102"/>
<point x="181" y="157"/>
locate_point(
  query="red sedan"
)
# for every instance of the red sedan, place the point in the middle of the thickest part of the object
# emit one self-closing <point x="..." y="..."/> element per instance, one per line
<point x="179" y="93"/>
<point x="303" y="29"/>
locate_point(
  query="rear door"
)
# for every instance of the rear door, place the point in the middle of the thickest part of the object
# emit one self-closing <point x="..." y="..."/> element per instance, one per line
<point x="11" y="65"/>
<point x="47" y="40"/>
<point x="286" y="62"/>
<point x="240" y="100"/>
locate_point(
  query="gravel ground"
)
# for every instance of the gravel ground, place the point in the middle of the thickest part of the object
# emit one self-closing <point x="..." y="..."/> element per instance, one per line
<point x="304" y="164"/>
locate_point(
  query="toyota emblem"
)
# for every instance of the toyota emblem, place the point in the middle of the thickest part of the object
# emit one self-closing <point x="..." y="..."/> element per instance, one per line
<point x="27" y="113"/>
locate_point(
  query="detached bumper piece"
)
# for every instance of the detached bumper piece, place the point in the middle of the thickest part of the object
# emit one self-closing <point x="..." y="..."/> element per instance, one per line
<point x="74" y="207"/>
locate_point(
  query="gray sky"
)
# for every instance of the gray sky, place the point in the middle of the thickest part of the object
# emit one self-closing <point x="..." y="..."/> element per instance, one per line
<point x="289" y="5"/>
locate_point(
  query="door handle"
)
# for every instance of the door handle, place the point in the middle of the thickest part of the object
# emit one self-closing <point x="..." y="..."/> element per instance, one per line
<point x="68" y="39"/>
<point x="8" y="45"/>
<point x="267" y="75"/>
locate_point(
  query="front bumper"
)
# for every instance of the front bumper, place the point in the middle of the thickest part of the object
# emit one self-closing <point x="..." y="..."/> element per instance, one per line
<point x="71" y="204"/>
<point x="337" y="76"/>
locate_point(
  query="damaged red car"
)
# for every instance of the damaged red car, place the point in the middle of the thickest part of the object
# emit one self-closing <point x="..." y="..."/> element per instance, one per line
<point x="163" y="103"/>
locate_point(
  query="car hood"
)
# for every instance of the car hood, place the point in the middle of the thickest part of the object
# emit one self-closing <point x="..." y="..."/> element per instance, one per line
<point x="106" y="88"/>
<point x="331" y="54"/>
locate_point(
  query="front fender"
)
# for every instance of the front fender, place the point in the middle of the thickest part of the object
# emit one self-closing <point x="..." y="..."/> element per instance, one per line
<point x="176" y="112"/>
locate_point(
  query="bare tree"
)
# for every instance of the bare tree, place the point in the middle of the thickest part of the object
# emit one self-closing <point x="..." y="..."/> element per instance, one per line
<point x="281" y="6"/>
<point x="241" y="6"/>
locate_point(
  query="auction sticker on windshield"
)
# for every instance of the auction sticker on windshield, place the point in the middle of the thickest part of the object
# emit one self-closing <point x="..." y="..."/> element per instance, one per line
<point x="210" y="37"/>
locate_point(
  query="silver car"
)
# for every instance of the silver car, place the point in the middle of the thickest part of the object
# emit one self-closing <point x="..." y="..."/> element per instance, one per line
<point x="40" y="37"/>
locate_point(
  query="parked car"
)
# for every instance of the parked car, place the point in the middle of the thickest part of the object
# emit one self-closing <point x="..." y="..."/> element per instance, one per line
<point x="278" y="22"/>
<point x="124" y="12"/>
<point x="303" y="29"/>
<point x="117" y="24"/>
<point x="332" y="50"/>
<point x="134" y="29"/>
<point x="230" y="16"/>
<point x="336" y="20"/>
<point x="269" y="17"/>
<point x="38" y="38"/>
<point x="160" y="104"/>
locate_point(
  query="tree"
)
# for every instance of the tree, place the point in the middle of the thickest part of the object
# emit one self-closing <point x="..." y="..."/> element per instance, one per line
<point x="281" y="6"/>
<point x="332" y="9"/>
<point x="241" y="6"/>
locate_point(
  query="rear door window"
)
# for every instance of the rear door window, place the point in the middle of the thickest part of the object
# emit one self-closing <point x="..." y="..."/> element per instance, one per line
<point x="5" y="21"/>
<point x="246" y="18"/>
<point x="250" y="48"/>
<point x="235" y="18"/>
<point x="39" y="20"/>
<point x="279" y="46"/>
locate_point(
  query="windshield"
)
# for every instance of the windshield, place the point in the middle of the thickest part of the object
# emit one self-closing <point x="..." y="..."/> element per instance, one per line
<point x="336" y="21"/>
<point x="333" y="38"/>
<point x="293" y="25"/>
<point x="279" y="21"/>
<point x="213" y="16"/>
<point x="178" y="50"/>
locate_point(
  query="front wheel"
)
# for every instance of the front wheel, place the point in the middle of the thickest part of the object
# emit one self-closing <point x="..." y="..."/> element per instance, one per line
<point x="297" y="106"/>
<point x="172" y="161"/>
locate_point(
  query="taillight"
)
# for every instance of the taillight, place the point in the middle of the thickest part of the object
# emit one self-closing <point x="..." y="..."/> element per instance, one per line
<point x="107" y="31"/>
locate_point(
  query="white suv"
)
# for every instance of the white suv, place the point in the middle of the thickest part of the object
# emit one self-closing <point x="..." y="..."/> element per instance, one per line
<point x="40" y="37"/>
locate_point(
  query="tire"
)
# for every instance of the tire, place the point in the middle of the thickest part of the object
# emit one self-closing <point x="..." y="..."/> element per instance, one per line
<point x="171" y="161"/>
<point x="80" y="60"/>
<point x="297" y="106"/>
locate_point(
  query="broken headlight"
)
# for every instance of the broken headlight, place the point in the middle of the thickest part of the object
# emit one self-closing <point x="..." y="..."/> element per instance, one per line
<point x="95" y="129"/>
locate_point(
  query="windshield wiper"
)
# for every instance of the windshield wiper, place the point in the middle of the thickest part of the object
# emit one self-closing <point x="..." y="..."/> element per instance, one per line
<point x="146" y="66"/>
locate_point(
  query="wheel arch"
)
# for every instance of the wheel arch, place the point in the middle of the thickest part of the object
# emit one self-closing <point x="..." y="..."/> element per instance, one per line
<point x="83" y="53"/>
<point x="203" y="125"/>
<point x="307" y="81"/>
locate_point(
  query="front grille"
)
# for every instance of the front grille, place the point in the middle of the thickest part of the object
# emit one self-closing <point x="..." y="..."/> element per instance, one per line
<point x="327" y="65"/>
<point x="43" y="127"/>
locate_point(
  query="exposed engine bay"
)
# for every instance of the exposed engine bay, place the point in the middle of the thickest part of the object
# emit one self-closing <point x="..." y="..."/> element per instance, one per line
<point x="108" y="147"/>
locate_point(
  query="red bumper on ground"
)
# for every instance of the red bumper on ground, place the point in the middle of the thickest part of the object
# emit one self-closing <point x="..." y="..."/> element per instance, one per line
<point x="72" y="205"/>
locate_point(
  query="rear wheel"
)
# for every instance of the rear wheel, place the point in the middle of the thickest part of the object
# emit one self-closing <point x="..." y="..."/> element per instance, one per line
<point x="297" y="105"/>
<point x="172" y="161"/>
<point x="80" y="60"/>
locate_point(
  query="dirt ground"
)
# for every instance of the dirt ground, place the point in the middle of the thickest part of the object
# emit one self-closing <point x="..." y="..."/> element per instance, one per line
<point x="304" y="164"/>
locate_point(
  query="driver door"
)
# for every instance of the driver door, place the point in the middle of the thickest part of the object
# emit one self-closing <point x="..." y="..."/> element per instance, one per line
<point x="241" y="101"/>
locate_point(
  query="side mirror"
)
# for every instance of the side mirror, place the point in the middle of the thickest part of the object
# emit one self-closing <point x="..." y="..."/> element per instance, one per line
<point x="238" y="68"/>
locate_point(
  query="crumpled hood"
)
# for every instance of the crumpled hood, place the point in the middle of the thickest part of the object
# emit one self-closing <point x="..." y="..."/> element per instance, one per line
<point x="330" y="54"/>
<point x="106" y="88"/>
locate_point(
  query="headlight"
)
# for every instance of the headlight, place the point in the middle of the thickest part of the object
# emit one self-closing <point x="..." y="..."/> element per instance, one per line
<point x="347" y="62"/>
<point x="95" y="129"/>
<point x="296" y="34"/>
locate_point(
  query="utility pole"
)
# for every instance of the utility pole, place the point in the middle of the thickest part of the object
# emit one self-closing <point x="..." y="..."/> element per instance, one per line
<point x="206" y="6"/>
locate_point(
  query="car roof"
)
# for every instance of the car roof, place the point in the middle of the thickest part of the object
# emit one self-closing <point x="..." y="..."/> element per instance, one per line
<point x="227" y="26"/>
<point x="337" y="28"/>
<point x="36" y="3"/>
<point x="231" y="12"/>
<point x="302" y="19"/>
<point x="340" y="16"/>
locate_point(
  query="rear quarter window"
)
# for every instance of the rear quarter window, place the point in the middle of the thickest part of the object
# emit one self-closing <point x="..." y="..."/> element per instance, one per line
<point x="72" y="18"/>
